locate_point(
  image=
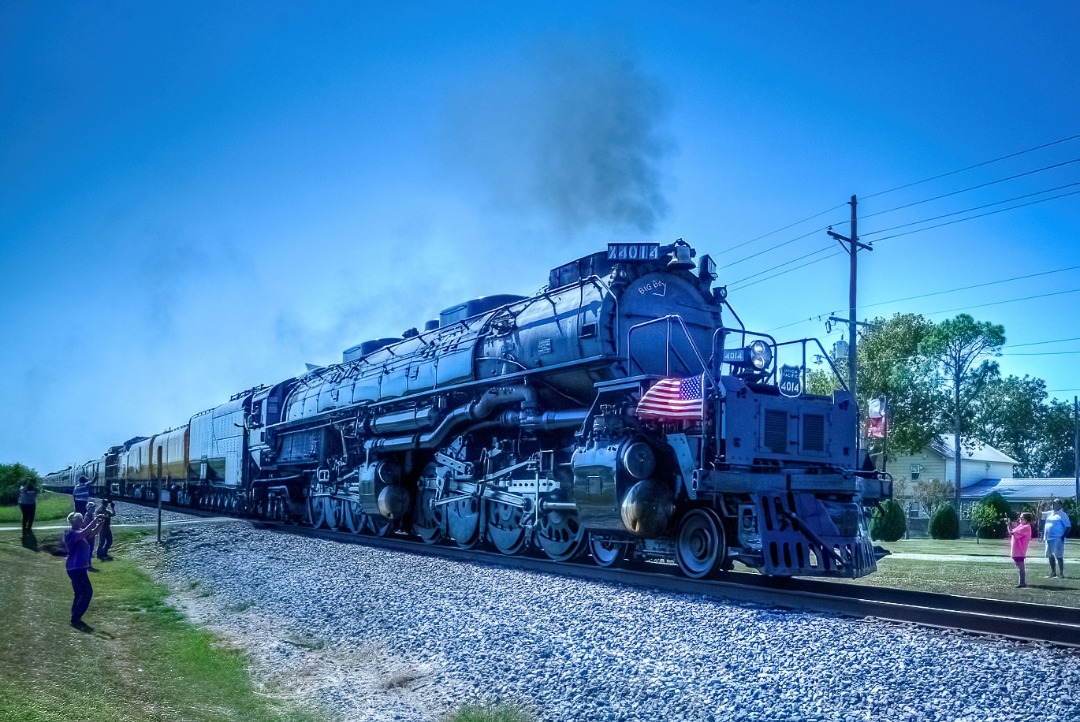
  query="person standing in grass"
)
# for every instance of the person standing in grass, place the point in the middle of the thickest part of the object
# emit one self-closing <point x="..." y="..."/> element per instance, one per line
<point x="1019" y="538"/>
<point x="28" y="505"/>
<point x="78" y="563"/>
<point x="1056" y="525"/>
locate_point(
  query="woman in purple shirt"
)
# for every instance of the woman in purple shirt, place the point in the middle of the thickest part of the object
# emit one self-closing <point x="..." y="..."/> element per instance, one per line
<point x="76" y="539"/>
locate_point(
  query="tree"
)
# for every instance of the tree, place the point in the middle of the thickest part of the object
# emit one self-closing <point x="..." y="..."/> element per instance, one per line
<point x="932" y="494"/>
<point x="1053" y="456"/>
<point x="12" y="476"/>
<point x="892" y="363"/>
<point x="961" y="347"/>
<point x="1014" y="416"/>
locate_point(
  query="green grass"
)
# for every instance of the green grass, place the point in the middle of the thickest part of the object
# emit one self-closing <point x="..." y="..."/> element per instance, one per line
<point x="142" y="661"/>
<point x="50" y="507"/>
<point x="988" y="573"/>
<point x="499" y="713"/>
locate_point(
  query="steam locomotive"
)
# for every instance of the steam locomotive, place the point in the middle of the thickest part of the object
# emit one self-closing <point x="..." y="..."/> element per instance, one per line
<point x="612" y="414"/>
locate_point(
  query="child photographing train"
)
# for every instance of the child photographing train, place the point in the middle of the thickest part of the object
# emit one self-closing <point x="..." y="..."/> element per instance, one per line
<point x="1020" y="537"/>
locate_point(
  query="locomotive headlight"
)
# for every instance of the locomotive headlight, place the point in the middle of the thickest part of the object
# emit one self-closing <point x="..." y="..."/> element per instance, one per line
<point x="760" y="355"/>
<point x="757" y="356"/>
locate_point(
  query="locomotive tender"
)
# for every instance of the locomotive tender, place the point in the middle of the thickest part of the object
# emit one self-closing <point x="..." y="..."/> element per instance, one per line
<point x="612" y="413"/>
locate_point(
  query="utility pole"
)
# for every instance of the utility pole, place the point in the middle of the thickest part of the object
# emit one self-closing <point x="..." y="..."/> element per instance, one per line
<point x="853" y="247"/>
<point x="1076" y="447"/>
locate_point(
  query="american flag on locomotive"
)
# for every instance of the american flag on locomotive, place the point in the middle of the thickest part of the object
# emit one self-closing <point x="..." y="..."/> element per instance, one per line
<point x="673" y="399"/>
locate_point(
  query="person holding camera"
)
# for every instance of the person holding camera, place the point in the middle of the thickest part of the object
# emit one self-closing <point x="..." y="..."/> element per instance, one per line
<point x="1019" y="538"/>
<point x="76" y="539"/>
<point x="105" y="513"/>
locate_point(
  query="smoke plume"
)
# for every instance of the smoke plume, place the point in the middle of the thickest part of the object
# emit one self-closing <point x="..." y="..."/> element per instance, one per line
<point x="574" y="131"/>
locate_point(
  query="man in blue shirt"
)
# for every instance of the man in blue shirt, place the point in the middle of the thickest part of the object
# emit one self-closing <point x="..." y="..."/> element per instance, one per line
<point x="1055" y="526"/>
<point x="81" y="494"/>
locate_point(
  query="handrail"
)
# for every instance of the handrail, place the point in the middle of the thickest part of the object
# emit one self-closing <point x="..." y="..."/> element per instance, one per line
<point x="667" y="354"/>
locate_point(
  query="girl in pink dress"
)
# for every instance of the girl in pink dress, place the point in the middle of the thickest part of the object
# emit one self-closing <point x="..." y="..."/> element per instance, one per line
<point x="1020" y="535"/>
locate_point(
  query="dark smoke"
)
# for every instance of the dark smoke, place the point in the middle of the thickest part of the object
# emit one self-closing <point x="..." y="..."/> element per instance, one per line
<point x="574" y="132"/>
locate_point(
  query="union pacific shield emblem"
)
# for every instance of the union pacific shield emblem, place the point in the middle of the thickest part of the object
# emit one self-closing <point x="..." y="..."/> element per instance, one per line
<point x="791" y="381"/>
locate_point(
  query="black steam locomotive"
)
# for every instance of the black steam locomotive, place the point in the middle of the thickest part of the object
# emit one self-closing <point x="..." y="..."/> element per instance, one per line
<point x="612" y="414"/>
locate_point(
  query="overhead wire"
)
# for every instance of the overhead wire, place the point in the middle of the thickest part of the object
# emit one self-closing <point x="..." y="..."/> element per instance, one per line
<point x="969" y="210"/>
<point x="980" y="215"/>
<point x="768" y="278"/>
<point x="973" y="167"/>
<point x="974" y="285"/>
<point x="786" y="263"/>
<point x="1010" y="300"/>
<point x="1015" y="176"/>
<point x="972" y="188"/>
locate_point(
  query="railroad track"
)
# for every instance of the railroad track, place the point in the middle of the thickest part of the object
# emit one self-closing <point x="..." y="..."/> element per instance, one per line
<point x="1058" y="626"/>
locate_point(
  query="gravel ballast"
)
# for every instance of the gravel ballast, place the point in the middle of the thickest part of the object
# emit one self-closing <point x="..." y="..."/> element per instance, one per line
<point x="364" y="634"/>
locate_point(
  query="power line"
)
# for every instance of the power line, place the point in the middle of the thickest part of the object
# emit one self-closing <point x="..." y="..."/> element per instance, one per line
<point x="901" y="187"/>
<point x="1044" y="353"/>
<point x="968" y="288"/>
<point x="781" y="245"/>
<point x="972" y="188"/>
<point x="981" y="215"/>
<point x="938" y="293"/>
<point x="972" y="167"/>
<point x="969" y="210"/>
<point x="768" y="278"/>
<point x="1010" y="300"/>
<point x="786" y="263"/>
<point x="1041" y="343"/>
<point x="778" y="230"/>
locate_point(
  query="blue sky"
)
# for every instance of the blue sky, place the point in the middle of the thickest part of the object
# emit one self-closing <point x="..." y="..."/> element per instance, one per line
<point x="196" y="198"/>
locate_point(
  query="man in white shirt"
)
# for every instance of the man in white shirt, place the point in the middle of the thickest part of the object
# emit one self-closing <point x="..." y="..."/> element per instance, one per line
<point x="1055" y="526"/>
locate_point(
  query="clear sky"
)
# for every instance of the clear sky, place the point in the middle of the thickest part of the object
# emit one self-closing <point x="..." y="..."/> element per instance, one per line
<point x="196" y="198"/>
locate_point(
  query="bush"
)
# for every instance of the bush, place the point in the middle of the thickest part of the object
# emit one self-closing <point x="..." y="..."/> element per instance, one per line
<point x="887" y="523"/>
<point x="12" y="476"/>
<point x="988" y="517"/>
<point x="945" y="523"/>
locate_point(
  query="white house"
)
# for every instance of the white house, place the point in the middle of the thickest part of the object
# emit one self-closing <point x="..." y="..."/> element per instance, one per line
<point x="978" y="463"/>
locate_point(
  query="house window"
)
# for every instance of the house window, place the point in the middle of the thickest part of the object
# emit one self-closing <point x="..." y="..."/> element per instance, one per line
<point x="916" y="469"/>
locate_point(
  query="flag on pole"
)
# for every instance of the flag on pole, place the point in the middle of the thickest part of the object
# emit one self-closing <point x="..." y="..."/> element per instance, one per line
<point x="878" y="416"/>
<point x="673" y="399"/>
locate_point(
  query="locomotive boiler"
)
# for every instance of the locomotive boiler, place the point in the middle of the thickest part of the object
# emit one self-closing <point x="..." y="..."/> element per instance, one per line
<point x="613" y="414"/>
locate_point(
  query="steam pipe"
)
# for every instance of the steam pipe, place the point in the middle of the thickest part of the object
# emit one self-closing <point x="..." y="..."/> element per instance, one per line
<point x="475" y="411"/>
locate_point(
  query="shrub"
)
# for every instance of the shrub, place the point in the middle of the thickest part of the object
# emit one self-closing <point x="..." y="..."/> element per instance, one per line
<point x="887" y="522"/>
<point x="988" y="517"/>
<point x="945" y="523"/>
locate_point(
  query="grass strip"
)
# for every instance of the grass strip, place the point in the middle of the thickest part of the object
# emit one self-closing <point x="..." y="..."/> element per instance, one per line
<point x="50" y="506"/>
<point x="141" y="661"/>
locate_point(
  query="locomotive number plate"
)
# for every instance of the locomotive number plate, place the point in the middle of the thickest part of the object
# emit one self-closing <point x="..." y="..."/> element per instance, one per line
<point x="633" y="251"/>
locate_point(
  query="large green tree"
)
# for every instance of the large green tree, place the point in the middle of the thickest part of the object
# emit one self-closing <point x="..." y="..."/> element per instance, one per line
<point x="1010" y="415"/>
<point x="892" y="364"/>
<point x="961" y="349"/>
<point x="1055" y="455"/>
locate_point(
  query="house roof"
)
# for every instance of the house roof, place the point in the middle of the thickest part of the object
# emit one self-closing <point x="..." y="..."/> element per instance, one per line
<point x="970" y="449"/>
<point x="1022" y="489"/>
